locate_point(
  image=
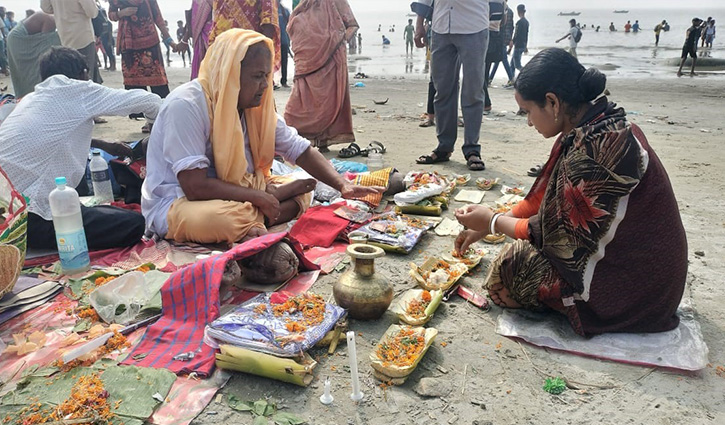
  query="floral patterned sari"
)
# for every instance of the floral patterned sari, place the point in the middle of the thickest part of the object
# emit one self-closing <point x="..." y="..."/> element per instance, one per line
<point x="248" y="15"/>
<point x="142" y="62"/>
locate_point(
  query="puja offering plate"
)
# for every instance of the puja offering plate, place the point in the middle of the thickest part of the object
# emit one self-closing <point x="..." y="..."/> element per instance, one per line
<point x="508" y="190"/>
<point x="460" y="179"/>
<point x="400" y="350"/>
<point x="417" y="306"/>
<point x="470" y="258"/>
<point x="486" y="184"/>
<point x="437" y="274"/>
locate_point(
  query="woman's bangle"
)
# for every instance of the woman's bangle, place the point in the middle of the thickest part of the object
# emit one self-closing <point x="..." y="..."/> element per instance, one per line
<point x="492" y="225"/>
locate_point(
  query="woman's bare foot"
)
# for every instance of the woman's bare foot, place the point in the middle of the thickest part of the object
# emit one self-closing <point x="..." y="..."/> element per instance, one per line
<point x="292" y="189"/>
<point x="501" y="296"/>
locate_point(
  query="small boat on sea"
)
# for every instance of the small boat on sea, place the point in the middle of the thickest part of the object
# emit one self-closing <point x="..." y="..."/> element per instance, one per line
<point x="569" y="13"/>
<point x="621" y="11"/>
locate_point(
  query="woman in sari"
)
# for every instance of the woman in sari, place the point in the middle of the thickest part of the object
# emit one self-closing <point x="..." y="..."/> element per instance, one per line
<point x="319" y="107"/>
<point x="201" y="25"/>
<point x="142" y="62"/>
<point x="198" y="28"/>
<point x="257" y="15"/>
<point x="599" y="237"/>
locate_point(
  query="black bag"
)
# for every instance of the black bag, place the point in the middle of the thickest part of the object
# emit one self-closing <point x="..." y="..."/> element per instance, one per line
<point x="101" y="24"/>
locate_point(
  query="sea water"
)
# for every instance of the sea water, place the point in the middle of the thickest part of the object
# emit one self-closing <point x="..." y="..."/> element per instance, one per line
<point x="617" y="54"/>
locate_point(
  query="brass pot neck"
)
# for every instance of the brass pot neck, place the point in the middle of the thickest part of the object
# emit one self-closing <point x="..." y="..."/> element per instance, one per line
<point x="365" y="267"/>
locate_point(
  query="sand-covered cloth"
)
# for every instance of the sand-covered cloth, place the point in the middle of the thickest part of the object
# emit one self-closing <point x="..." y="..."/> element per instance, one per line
<point x="607" y="246"/>
<point x="24" y="50"/>
<point x="319" y="106"/>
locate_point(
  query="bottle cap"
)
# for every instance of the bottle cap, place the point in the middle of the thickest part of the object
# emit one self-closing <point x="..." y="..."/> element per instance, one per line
<point x="60" y="181"/>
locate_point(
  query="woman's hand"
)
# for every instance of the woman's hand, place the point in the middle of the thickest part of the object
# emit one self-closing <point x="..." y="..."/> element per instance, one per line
<point x="127" y="12"/>
<point x="353" y="191"/>
<point x="181" y="46"/>
<point x="476" y="217"/>
<point x="466" y="238"/>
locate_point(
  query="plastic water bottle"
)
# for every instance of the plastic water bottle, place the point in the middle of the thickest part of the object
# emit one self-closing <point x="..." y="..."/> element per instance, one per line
<point x="102" y="190"/>
<point x="375" y="161"/>
<point x="68" y="223"/>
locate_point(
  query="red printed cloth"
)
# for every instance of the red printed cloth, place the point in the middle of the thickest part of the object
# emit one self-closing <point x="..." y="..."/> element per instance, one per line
<point x="319" y="226"/>
<point x="190" y="300"/>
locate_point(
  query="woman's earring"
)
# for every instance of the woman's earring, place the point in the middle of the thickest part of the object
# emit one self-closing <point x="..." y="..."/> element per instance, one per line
<point x="556" y="119"/>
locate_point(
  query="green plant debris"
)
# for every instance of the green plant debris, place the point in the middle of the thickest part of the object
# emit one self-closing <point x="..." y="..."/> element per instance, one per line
<point x="554" y="385"/>
<point x="264" y="412"/>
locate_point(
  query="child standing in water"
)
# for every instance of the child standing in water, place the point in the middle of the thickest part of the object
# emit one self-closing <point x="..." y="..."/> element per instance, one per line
<point x="408" y="36"/>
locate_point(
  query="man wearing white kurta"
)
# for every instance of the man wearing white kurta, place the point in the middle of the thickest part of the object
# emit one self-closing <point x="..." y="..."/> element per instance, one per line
<point x="48" y="135"/>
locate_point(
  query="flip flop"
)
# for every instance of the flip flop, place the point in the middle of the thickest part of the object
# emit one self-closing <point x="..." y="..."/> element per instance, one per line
<point x="427" y="123"/>
<point x="535" y="171"/>
<point x="475" y="163"/>
<point x="375" y="147"/>
<point x="350" y="151"/>
<point x="430" y="159"/>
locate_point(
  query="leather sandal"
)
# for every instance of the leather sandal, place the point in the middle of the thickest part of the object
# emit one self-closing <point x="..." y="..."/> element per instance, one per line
<point x="350" y="151"/>
<point x="434" y="158"/>
<point x="475" y="163"/>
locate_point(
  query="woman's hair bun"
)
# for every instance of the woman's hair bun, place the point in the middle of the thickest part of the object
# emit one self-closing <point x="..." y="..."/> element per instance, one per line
<point x="592" y="83"/>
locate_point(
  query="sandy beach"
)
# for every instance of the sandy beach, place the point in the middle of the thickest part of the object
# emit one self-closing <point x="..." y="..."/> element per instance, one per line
<point x="489" y="379"/>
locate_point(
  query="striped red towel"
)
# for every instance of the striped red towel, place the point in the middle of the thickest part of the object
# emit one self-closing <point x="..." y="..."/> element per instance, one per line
<point x="190" y="300"/>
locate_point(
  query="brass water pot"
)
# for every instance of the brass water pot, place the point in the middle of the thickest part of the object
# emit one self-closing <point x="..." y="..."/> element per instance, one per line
<point x="364" y="294"/>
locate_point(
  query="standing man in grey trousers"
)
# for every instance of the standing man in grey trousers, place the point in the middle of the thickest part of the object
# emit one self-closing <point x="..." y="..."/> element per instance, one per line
<point x="73" y="21"/>
<point x="460" y="38"/>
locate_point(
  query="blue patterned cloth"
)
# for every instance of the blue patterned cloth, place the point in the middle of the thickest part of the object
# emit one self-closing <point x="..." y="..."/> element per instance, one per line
<point x="265" y="332"/>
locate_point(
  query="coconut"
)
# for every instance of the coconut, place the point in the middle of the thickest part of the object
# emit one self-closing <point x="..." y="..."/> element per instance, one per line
<point x="10" y="267"/>
<point x="276" y="264"/>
